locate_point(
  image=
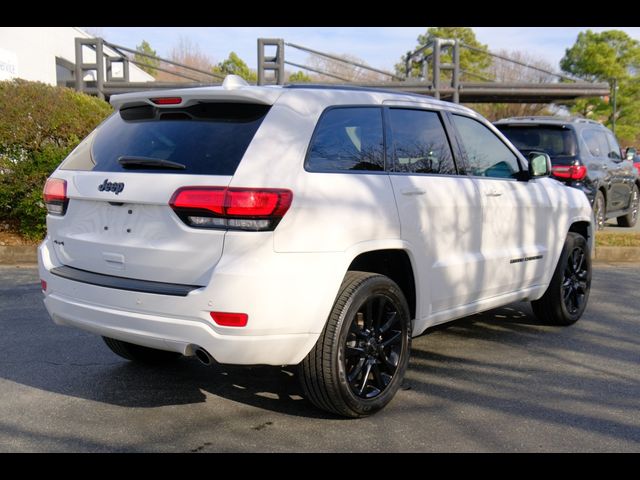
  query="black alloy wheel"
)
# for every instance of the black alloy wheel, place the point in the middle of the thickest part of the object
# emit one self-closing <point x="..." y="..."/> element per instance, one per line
<point x="359" y="361"/>
<point x="565" y="299"/>
<point x="575" y="283"/>
<point x="373" y="347"/>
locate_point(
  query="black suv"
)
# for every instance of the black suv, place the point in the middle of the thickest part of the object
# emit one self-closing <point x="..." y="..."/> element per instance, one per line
<point x="585" y="155"/>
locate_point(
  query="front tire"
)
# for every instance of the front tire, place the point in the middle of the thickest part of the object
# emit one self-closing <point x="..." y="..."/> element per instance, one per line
<point x="566" y="297"/>
<point x="360" y="359"/>
<point x="630" y="219"/>
<point x="138" y="353"/>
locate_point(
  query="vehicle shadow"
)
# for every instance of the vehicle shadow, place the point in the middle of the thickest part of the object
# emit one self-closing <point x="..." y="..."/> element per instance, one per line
<point x="455" y="363"/>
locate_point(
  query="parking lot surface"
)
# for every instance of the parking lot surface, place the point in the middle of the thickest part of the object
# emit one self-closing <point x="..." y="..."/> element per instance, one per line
<point x="498" y="381"/>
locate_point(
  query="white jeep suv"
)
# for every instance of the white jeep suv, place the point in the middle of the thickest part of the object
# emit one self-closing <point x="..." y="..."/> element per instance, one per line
<point x="319" y="226"/>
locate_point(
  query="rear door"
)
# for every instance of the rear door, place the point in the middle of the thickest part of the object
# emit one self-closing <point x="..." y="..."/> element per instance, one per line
<point x="121" y="178"/>
<point x="440" y="211"/>
<point x="605" y="166"/>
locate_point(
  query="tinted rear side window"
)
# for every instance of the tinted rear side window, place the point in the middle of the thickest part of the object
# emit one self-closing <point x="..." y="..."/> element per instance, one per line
<point x="420" y="143"/>
<point x="207" y="138"/>
<point x="348" y="138"/>
<point x="596" y="141"/>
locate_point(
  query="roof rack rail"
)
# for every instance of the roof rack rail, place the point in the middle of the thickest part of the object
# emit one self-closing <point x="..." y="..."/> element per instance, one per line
<point x="572" y="119"/>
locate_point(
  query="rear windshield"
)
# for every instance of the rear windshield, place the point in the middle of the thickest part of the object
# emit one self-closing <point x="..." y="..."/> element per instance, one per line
<point x="555" y="141"/>
<point x="206" y="139"/>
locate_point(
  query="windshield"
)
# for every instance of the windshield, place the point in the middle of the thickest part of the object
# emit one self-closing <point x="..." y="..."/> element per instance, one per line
<point x="555" y="141"/>
<point x="206" y="138"/>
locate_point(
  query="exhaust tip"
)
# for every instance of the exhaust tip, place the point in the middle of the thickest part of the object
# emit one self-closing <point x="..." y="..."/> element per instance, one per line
<point x="204" y="356"/>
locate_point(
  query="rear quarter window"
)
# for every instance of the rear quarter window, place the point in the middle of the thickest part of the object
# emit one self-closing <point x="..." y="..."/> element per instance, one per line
<point x="207" y="138"/>
<point x="347" y="138"/>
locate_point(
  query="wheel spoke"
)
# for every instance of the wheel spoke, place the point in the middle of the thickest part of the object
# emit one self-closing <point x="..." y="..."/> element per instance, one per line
<point x="566" y="293"/>
<point x="395" y="338"/>
<point x="579" y="258"/>
<point x="351" y="376"/>
<point x="365" y="378"/>
<point x="353" y="352"/>
<point x="379" y="377"/>
<point x="393" y="317"/>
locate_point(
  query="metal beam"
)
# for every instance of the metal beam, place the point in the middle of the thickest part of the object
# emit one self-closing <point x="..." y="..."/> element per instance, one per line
<point x="469" y="92"/>
<point x="142" y="54"/>
<point x="317" y="71"/>
<point x="343" y="60"/>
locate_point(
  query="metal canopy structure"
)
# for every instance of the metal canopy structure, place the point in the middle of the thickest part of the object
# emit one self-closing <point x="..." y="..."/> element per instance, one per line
<point x="435" y="78"/>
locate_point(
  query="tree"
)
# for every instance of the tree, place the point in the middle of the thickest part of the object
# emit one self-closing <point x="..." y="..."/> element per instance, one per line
<point x="505" y="71"/>
<point x="299" y="77"/>
<point x="603" y="57"/>
<point x="471" y="61"/>
<point x="149" y="65"/>
<point x="345" y="71"/>
<point x="188" y="53"/>
<point x="234" y="65"/>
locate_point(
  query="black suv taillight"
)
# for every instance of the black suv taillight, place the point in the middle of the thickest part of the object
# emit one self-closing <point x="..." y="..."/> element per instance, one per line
<point x="55" y="196"/>
<point x="256" y="209"/>
<point x="570" y="172"/>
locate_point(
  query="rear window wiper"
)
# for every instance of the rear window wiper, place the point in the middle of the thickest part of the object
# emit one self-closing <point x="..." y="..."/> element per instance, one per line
<point x="148" y="162"/>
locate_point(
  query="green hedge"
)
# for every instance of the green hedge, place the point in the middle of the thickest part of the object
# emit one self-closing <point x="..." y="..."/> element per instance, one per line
<point x="39" y="126"/>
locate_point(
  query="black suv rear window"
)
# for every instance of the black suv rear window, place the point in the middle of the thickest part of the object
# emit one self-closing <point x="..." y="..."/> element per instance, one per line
<point x="555" y="141"/>
<point x="206" y="138"/>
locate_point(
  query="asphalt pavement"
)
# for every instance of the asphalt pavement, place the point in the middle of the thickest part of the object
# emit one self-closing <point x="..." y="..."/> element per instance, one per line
<point x="498" y="382"/>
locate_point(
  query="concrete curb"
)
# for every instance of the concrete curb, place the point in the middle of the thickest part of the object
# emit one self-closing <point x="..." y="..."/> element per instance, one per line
<point x="617" y="254"/>
<point x="14" y="254"/>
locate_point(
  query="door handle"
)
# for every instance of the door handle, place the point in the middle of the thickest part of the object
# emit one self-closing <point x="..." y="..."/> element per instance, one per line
<point x="415" y="191"/>
<point x="493" y="193"/>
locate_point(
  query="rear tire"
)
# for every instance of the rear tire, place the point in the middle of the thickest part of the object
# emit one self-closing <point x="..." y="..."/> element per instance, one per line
<point x="566" y="297"/>
<point x="360" y="359"/>
<point x="138" y="353"/>
<point x="630" y="219"/>
<point x="599" y="211"/>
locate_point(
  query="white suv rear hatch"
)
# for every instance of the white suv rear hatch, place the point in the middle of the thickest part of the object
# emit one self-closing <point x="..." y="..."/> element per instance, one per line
<point x="121" y="178"/>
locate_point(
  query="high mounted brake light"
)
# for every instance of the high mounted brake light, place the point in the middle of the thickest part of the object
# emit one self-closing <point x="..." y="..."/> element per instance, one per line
<point x="256" y="209"/>
<point x="55" y="196"/>
<point x="167" y="100"/>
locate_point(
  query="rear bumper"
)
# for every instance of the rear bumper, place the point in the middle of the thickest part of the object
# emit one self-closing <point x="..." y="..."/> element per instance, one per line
<point x="179" y="335"/>
<point x="286" y="305"/>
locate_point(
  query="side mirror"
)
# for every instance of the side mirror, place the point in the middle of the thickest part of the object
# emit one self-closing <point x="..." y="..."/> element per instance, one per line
<point x="630" y="153"/>
<point x="539" y="164"/>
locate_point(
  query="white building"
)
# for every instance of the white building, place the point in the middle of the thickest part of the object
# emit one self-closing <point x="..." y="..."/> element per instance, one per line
<point x="47" y="54"/>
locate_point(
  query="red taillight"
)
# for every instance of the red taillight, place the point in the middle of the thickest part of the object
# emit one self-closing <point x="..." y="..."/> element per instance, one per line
<point x="43" y="285"/>
<point x="167" y="100"/>
<point x="231" y="208"/>
<point x="571" y="172"/>
<point x="55" y="196"/>
<point x="227" y="319"/>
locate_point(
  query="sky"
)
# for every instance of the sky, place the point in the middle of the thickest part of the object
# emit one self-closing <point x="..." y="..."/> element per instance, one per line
<point x="380" y="47"/>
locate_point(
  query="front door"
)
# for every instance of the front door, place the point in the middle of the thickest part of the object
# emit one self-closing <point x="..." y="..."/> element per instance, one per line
<point x="516" y="215"/>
